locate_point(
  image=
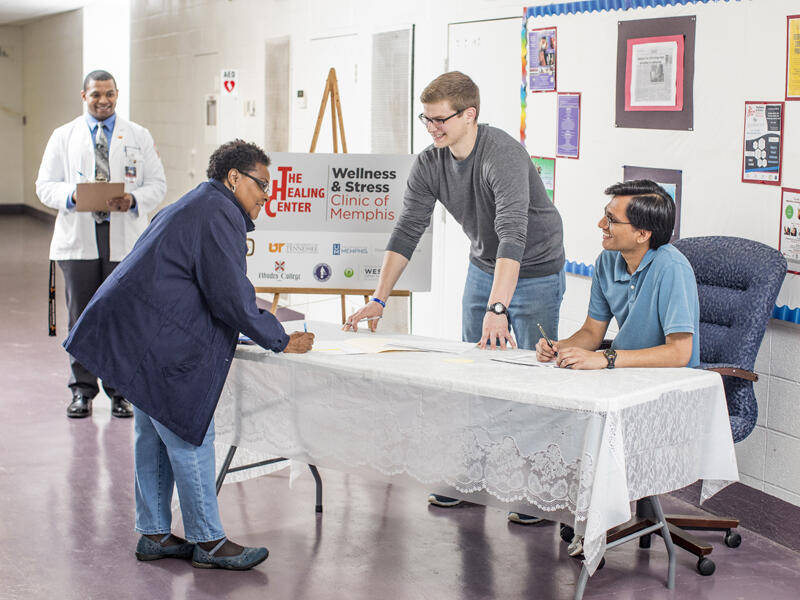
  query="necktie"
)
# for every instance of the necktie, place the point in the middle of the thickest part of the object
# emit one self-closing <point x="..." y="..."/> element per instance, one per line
<point x="101" y="168"/>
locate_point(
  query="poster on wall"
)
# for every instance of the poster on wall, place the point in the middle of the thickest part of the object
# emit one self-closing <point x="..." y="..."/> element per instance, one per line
<point x="327" y="220"/>
<point x="654" y="73"/>
<point x="793" y="57"/>
<point x="569" y="125"/>
<point x="789" y="240"/>
<point x="669" y="179"/>
<point x="546" y="167"/>
<point x="542" y="60"/>
<point x="762" y="150"/>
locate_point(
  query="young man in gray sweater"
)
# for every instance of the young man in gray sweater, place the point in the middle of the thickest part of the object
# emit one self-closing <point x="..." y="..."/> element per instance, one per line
<point x="487" y="182"/>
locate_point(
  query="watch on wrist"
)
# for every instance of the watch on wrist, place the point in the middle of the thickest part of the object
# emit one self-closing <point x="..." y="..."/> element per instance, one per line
<point x="611" y="357"/>
<point x="497" y="308"/>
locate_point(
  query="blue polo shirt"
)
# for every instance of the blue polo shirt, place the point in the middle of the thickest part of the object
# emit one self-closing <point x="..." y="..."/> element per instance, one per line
<point x="658" y="299"/>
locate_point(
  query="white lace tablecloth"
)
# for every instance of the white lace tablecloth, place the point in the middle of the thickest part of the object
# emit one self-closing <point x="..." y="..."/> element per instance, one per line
<point x="575" y="446"/>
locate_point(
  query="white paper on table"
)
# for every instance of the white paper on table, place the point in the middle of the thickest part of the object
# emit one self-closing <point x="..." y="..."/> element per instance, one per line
<point x="527" y="359"/>
<point x="446" y="346"/>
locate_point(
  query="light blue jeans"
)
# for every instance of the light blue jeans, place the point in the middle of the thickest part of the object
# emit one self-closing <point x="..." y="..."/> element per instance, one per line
<point x="535" y="300"/>
<point x="162" y="459"/>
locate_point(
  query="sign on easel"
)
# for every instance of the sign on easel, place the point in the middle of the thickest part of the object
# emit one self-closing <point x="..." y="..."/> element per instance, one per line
<point x="327" y="221"/>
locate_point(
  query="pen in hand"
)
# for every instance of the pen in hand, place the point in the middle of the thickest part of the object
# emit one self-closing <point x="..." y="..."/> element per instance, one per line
<point x="546" y="339"/>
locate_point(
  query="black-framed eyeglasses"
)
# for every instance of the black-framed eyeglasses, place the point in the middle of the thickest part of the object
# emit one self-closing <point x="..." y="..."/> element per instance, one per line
<point x="264" y="185"/>
<point x="613" y="221"/>
<point x="437" y="122"/>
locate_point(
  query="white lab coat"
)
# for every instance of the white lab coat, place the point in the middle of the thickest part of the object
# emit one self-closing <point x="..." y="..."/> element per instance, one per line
<point x="69" y="159"/>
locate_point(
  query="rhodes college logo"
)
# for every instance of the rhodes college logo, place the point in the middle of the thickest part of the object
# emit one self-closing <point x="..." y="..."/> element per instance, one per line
<point x="280" y="266"/>
<point x="322" y="272"/>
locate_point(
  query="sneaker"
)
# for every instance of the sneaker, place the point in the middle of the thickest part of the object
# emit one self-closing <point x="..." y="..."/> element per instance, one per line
<point x="575" y="547"/>
<point x="443" y="501"/>
<point x="247" y="559"/>
<point x="523" y="519"/>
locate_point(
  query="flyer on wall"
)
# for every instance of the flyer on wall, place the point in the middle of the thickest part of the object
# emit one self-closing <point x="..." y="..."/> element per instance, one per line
<point x="789" y="240"/>
<point x="542" y="60"/>
<point x="569" y="125"/>
<point x="762" y="150"/>
<point x="546" y="167"/>
<point x="793" y="57"/>
<point x="654" y="73"/>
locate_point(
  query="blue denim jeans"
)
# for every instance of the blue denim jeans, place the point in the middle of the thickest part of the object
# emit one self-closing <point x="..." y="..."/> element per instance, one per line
<point x="535" y="300"/>
<point x="162" y="459"/>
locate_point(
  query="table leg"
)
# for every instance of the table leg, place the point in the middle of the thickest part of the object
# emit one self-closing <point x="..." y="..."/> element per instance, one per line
<point x="581" y="585"/>
<point x="318" y="481"/>
<point x="223" y="471"/>
<point x="659" y="514"/>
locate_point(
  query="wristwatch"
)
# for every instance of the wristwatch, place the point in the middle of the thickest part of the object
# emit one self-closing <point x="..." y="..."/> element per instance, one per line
<point x="497" y="308"/>
<point x="611" y="357"/>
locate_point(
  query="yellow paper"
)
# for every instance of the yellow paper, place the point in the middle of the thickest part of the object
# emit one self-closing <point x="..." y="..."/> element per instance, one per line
<point x="793" y="59"/>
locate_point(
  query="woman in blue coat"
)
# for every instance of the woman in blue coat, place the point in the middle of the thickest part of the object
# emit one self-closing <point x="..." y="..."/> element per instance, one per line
<point x="162" y="330"/>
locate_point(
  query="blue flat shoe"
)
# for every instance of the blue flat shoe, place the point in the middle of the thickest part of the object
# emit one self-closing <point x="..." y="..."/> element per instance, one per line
<point x="247" y="559"/>
<point x="147" y="549"/>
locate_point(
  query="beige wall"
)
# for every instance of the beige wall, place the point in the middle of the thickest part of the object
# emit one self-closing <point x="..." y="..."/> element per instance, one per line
<point x="52" y="79"/>
<point x="11" y="115"/>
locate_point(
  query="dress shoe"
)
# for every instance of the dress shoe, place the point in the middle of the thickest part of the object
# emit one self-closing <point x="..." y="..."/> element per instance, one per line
<point x="247" y="559"/>
<point x="121" y="408"/>
<point x="80" y="407"/>
<point x="147" y="549"/>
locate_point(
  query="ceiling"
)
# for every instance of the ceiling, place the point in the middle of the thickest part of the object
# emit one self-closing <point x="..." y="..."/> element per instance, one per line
<point x="16" y="12"/>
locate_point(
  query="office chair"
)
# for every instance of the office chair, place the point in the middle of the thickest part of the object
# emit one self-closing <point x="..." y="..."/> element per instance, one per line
<point x="738" y="281"/>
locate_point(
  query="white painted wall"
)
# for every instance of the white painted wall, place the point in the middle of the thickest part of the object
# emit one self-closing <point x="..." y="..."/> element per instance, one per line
<point x="106" y="45"/>
<point x="178" y="49"/>
<point x="11" y="115"/>
<point x="52" y="80"/>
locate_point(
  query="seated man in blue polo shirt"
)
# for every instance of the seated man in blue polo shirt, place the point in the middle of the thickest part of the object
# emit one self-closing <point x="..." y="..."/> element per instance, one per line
<point x="642" y="281"/>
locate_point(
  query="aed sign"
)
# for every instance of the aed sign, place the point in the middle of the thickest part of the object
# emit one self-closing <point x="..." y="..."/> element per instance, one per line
<point x="229" y="83"/>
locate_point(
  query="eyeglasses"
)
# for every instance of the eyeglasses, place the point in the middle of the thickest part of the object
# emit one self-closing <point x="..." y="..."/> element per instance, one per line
<point x="437" y="122"/>
<point x="264" y="185"/>
<point x="612" y="221"/>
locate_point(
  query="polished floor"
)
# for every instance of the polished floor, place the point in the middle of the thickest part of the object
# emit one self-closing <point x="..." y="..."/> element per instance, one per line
<point x="66" y="509"/>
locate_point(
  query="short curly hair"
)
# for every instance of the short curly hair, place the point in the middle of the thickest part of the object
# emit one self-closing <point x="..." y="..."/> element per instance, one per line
<point x="238" y="154"/>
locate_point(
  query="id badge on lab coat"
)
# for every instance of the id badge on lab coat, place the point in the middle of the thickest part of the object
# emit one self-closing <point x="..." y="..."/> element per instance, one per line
<point x="133" y="157"/>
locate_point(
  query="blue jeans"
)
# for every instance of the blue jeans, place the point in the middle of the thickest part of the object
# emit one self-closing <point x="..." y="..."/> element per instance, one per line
<point x="162" y="459"/>
<point x="535" y="300"/>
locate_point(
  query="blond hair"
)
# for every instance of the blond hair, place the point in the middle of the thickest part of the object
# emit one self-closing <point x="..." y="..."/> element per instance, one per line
<point x="457" y="88"/>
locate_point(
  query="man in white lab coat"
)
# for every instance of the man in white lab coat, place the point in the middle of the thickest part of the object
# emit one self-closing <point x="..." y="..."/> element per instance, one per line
<point x="97" y="146"/>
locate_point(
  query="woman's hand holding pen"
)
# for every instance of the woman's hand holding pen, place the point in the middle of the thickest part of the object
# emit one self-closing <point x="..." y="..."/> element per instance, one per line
<point x="371" y="312"/>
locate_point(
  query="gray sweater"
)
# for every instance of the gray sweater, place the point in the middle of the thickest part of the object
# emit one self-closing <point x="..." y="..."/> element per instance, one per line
<point x="497" y="197"/>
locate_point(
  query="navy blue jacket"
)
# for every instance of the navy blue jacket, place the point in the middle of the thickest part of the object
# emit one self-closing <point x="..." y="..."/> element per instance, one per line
<point x="162" y="329"/>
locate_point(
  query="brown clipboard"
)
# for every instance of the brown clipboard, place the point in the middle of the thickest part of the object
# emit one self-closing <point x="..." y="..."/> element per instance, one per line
<point x="94" y="196"/>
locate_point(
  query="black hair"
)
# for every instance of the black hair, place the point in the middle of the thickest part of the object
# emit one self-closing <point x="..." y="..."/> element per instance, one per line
<point x="651" y="208"/>
<point x="98" y="75"/>
<point x="238" y="154"/>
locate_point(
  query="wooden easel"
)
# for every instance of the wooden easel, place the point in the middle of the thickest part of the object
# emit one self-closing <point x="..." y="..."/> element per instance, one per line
<point x="332" y="90"/>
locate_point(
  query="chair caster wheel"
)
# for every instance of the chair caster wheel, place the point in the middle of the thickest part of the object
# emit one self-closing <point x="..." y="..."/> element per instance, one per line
<point x="644" y="541"/>
<point x="567" y="533"/>
<point x="706" y="566"/>
<point x="732" y="539"/>
<point x="602" y="563"/>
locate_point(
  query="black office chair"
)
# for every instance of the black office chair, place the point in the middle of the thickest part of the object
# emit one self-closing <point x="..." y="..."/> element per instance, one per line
<point x="738" y="281"/>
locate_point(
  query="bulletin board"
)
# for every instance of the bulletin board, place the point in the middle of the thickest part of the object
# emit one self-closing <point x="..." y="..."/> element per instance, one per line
<point x="714" y="200"/>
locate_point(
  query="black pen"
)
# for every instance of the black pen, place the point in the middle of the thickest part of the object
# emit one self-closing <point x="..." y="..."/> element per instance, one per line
<point x="546" y="339"/>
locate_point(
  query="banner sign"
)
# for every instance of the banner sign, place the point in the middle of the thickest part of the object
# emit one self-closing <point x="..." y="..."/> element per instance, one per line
<point x="327" y="220"/>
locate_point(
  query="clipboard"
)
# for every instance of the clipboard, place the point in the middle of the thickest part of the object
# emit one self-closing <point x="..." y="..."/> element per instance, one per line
<point x="91" y="197"/>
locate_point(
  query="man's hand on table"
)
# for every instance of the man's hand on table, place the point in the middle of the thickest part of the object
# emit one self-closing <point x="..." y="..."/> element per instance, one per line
<point x="299" y="342"/>
<point x="544" y="353"/>
<point x="371" y="310"/>
<point x="495" y="332"/>
<point x="578" y="358"/>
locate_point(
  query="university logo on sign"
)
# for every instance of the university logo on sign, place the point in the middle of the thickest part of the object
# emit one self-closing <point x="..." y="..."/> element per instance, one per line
<point x="337" y="249"/>
<point x="322" y="272"/>
<point x="280" y="266"/>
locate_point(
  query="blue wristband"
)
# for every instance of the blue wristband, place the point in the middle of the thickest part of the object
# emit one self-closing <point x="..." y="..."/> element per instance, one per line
<point x="379" y="301"/>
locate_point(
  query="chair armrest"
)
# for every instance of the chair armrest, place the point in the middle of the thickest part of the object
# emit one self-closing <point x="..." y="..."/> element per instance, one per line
<point x="730" y="370"/>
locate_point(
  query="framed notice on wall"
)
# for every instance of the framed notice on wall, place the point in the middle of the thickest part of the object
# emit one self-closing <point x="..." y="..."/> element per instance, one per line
<point x="569" y="125"/>
<point x="762" y="148"/>
<point x="327" y="220"/>
<point x="669" y="179"/>
<point x="793" y="57"/>
<point x="654" y="73"/>
<point x="542" y="60"/>
<point x="789" y="239"/>
<point x="546" y="168"/>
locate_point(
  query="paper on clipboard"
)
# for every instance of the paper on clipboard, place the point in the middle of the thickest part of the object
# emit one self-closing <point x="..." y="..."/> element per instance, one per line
<point x="94" y="196"/>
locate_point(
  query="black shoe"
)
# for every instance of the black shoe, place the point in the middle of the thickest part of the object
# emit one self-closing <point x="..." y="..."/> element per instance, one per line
<point x="80" y="407"/>
<point x="443" y="501"/>
<point x="121" y="408"/>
